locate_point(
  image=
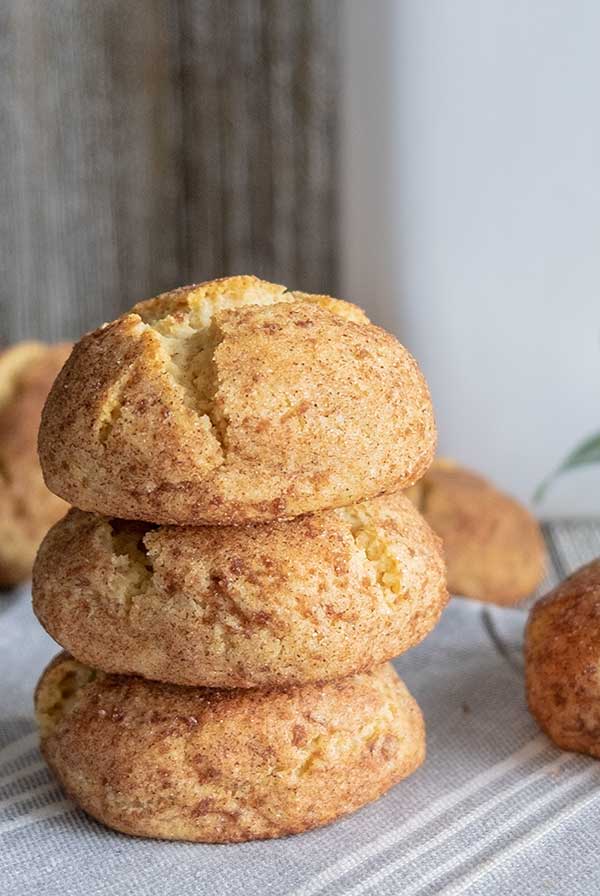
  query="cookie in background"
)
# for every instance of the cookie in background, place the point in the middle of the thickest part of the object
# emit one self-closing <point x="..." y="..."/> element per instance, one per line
<point x="27" y="508"/>
<point x="493" y="546"/>
<point x="562" y="646"/>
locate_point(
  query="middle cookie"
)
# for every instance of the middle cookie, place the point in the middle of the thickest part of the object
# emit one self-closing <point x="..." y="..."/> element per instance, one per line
<point x="315" y="598"/>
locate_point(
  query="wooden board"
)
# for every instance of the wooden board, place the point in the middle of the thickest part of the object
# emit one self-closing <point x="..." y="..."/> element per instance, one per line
<point x="148" y="144"/>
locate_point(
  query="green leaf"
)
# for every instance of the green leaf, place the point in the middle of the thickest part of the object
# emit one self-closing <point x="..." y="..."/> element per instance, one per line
<point x="588" y="452"/>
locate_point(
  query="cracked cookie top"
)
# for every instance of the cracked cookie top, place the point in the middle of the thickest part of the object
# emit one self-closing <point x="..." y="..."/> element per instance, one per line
<point x="321" y="596"/>
<point x="235" y="401"/>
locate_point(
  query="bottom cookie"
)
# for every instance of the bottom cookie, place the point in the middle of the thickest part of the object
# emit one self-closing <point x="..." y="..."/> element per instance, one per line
<point x="177" y="763"/>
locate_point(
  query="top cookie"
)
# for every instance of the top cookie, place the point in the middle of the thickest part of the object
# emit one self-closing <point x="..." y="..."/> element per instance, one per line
<point x="235" y="401"/>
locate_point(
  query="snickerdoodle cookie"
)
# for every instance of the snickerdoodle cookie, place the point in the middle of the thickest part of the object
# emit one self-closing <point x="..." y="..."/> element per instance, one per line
<point x="235" y="401"/>
<point x="27" y="508"/>
<point x="318" y="597"/>
<point x="562" y="660"/>
<point x="493" y="546"/>
<point x="159" y="760"/>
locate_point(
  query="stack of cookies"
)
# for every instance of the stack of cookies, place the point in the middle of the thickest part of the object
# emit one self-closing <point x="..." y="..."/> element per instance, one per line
<point x="225" y="675"/>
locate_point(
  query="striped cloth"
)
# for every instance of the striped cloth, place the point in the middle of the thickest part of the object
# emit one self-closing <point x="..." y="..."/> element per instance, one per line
<point x="496" y="809"/>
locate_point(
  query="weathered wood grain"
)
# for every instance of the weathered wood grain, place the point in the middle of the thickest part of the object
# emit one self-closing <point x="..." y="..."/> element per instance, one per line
<point x="149" y="143"/>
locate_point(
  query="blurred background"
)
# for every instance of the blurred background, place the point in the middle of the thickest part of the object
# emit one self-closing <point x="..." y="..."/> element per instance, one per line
<point x="436" y="162"/>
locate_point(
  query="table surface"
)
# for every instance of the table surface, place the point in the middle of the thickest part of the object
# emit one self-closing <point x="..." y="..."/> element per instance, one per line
<point x="496" y="808"/>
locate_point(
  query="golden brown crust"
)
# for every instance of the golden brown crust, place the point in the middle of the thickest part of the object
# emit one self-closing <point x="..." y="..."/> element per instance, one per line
<point x="246" y="403"/>
<point x="314" y="598"/>
<point x="562" y="662"/>
<point x="27" y="508"/>
<point x="493" y="546"/>
<point x="177" y="763"/>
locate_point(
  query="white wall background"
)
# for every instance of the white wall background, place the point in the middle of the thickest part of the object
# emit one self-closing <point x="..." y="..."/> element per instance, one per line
<point x="471" y="219"/>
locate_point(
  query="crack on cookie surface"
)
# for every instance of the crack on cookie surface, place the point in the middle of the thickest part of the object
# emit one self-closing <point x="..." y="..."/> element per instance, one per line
<point x="376" y="549"/>
<point x="190" y="363"/>
<point x="184" y="322"/>
<point x="131" y="560"/>
<point x="110" y="412"/>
